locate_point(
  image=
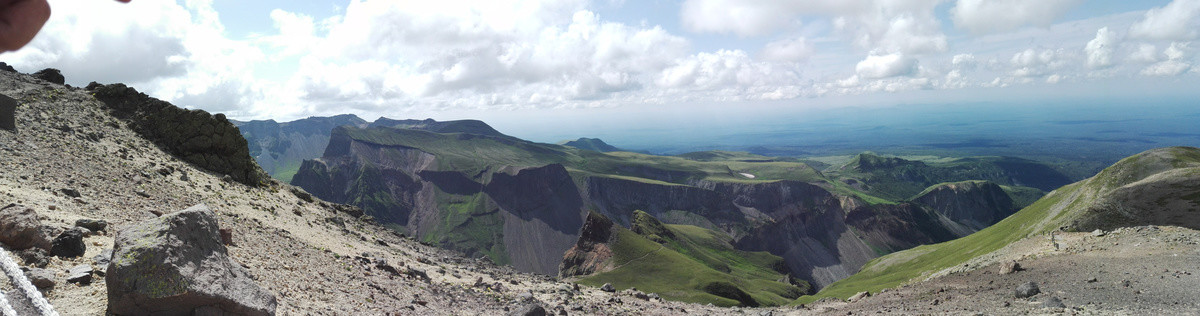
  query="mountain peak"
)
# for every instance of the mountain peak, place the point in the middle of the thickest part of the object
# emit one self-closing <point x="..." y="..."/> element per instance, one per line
<point x="593" y="144"/>
<point x="476" y="127"/>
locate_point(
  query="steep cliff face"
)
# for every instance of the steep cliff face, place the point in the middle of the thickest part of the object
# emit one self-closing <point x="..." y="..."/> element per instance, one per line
<point x="525" y="204"/>
<point x="678" y="204"/>
<point x="823" y="237"/>
<point x="523" y="216"/>
<point x="280" y="148"/>
<point x="968" y="206"/>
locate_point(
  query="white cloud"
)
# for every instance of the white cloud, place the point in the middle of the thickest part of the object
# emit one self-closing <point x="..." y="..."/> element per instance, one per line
<point x="1174" y="65"/>
<point x="1175" y="21"/>
<point x="745" y="18"/>
<point x="908" y="26"/>
<point x="1100" y="49"/>
<point x="1033" y="63"/>
<point x="1176" y="51"/>
<point x="1145" y="53"/>
<point x="1166" y="69"/>
<point x="992" y="16"/>
<point x="787" y="50"/>
<point x="885" y="66"/>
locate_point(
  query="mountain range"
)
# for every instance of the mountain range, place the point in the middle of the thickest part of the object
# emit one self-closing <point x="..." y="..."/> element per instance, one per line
<point x="602" y="232"/>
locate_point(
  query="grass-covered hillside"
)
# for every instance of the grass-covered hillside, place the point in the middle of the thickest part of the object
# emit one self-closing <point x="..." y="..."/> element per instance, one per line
<point x="473" y="152"/>
<point x="693" y="264"/>
<point x="1160" y="186"/>
<point x="897" y="178"/>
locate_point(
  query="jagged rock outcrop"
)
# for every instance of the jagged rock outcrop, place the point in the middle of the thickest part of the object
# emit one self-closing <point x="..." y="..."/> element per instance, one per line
<point x="968" y="206"/>
<point x="51" y="75"/>
<point x="20" y="228"/>
<point x="208" y="141"/>
<point x="176" y="265"/>
<point x="591" y="251"/>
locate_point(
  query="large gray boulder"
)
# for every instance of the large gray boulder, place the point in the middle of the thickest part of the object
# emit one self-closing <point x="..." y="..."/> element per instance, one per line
<point x="176" y="265"/>
<point x="20" y="228"/>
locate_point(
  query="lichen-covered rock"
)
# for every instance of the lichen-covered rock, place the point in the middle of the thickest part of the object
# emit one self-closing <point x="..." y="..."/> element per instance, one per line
<point x="20" y="228"/>
<point x="176" y="265"/>
<point x="208" y="141"/>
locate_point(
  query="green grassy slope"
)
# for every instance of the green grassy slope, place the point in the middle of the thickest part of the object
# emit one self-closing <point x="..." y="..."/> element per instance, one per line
<point x="896" y="178"/>
<point x="472" y="153"/>
<point x="693" y="264"/>
<point x="1056" y="209"/>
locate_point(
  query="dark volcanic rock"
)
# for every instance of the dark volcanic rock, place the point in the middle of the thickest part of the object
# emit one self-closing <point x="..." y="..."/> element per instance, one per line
<point x="608" y="287"/>
<point x="34" y="257"/>
<point x="1026" y="290"/>
<point x="8" y="113"/>
<point x="92" y="224"/>
<point x="81" y="274"/>
<point x="41" y="278"/>
<point x="176" y="265"/>
<point x="69" y="243"/>
<point x="1053" y="302"/>
<point x="71" y="192"/>
<point x="208" y="141"/>
<point x="51" y="75"/>
<point x="21" y="229"/>
<point x="531" y="309"/>
<point x="6" y="67"/>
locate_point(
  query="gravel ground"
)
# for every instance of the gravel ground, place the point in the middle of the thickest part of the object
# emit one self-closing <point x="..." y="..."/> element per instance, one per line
<point x="1146" y="270"/>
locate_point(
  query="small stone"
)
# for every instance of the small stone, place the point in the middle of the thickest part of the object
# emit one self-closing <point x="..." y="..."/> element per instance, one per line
<point x="531" y="309"/>
<point x="142" y="193"/>
<point x="69" y="243"/>
<point x="641" y="295"/>
<point x="608" y="287"/>
<point x="1009" y="267"/>
<point x="102" y="260"/>
<point x="226" y="236"/>
<point x="92" y="224"/>
<point x="1099" y="233"/>
<point x="41" y="278"/>
<point x="524" y="297"/>
<point x="81" y="274"/>
<point x="1092" y="280"/>
<point x="70" y="192"/>
<point x="34" y="257"/>
<point x="859" y="296"/>
<point x="1026" y="290"/>
<point x="1053" y="302"/>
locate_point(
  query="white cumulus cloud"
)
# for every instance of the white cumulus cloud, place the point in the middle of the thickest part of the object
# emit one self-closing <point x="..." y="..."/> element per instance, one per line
<point x="1100" y="49"/>
<point x="1175" y="21"/>
<point x="991" y="16"/>
<point x="885" y="66"/>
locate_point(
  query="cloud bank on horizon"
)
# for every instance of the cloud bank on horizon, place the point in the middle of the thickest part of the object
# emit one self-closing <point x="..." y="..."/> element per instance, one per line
<point x="376" y="57"/>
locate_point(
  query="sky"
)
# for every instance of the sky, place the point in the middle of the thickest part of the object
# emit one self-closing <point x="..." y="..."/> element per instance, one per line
<point x="561" y="62"/>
